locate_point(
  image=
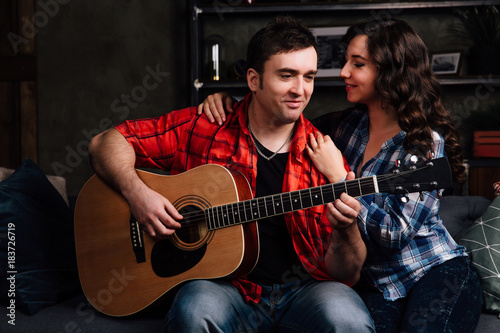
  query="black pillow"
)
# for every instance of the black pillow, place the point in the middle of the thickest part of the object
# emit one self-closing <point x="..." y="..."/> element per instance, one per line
<point x="37" y="251"/>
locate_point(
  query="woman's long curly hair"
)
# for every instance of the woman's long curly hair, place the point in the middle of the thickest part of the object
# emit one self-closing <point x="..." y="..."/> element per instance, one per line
<point x="408" y="87"/>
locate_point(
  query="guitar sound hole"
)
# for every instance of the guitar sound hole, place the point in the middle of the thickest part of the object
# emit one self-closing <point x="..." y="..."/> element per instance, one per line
<point x="194" y="227"/>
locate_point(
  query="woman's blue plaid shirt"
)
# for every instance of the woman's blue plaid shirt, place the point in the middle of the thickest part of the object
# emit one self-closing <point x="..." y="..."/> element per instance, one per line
<point x="404" y="240"/>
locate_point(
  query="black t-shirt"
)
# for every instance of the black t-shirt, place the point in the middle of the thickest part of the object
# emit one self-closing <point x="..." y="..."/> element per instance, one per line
<point x="278" y="260"/>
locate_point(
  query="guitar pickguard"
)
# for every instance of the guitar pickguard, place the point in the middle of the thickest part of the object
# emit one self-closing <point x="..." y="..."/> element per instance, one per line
<point x="169" y="260"/>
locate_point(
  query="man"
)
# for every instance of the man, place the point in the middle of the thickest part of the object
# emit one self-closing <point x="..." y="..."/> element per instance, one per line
<point x="308" y="258"/>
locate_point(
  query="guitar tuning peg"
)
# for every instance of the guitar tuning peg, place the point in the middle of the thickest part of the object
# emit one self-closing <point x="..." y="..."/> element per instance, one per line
<point x="404" y="198"/>
<point x="413" y="162"/>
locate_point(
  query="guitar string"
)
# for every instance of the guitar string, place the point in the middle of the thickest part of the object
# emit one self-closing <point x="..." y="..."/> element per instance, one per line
<point x="199" y="216"/>
<point x="354" y="184"/>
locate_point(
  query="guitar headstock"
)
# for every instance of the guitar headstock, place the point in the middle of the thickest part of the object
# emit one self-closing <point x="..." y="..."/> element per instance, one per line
<point x="421" y="176"/>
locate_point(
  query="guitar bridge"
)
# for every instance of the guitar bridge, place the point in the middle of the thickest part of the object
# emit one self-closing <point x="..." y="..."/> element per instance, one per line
<point x="137" y="240"/>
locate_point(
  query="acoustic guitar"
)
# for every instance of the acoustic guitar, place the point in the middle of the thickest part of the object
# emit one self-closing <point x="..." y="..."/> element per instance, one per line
<point x="123" y="271"/>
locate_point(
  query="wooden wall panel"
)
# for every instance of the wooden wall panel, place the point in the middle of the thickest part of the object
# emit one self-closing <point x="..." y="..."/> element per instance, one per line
<point x="28" y="120"/>
<point x="18" y="99"/>
<point x="10" y="145"/>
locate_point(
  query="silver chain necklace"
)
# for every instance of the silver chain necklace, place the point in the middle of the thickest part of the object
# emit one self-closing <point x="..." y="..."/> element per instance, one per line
<point x="277" y="151"/>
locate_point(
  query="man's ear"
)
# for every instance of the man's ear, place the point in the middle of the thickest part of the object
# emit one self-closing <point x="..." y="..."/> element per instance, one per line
<point x="253" y="79"/>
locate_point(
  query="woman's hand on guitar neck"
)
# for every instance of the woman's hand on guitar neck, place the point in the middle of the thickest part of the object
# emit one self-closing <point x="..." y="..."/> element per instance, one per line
<point x="215" y="107"/>
<point x="155" y="214"/>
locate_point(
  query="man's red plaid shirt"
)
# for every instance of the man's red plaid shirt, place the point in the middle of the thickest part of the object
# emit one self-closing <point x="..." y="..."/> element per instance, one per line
<point x="181" y="140"/>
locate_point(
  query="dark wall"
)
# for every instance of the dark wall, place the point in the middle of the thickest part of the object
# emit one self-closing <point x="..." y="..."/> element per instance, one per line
<point x="100" y="62"/>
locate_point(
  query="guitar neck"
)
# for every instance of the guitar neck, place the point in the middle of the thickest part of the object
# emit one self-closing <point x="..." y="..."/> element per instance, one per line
<point x="277" y="204"/>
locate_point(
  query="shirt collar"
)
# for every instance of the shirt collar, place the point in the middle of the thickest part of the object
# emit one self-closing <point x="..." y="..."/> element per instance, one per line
<point x="299" y="137"/>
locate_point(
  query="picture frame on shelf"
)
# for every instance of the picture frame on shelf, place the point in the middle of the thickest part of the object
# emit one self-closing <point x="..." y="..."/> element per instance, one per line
<point x="447" y="63"/>
<point x="330" y="50"/>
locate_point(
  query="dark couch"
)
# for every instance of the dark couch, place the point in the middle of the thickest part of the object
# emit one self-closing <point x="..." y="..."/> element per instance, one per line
<point x="68" y="310"/>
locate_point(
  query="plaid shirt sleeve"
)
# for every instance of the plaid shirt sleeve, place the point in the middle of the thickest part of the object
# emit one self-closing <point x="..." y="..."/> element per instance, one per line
<point x="156" y="140"/>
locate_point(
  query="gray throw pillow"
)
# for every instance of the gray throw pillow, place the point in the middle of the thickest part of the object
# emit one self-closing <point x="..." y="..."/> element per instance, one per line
<point x="482" y="241"/>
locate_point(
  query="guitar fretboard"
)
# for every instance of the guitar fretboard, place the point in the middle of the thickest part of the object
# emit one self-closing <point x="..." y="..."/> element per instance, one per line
<point x="259" y="208"/>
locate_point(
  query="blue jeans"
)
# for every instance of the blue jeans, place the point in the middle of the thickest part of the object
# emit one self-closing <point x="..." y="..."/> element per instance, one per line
<point x="446" y="299"/>
<point x="310" y="306"/>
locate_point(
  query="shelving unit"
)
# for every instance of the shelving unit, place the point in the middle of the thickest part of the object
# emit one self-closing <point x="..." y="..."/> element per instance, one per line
<point x="219" y="6"/>
<point x="459" y="91"/>
<point x="218" y="10"/>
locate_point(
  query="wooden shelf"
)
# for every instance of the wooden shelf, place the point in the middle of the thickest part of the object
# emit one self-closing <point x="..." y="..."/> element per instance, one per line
<point x="324" y="6"/>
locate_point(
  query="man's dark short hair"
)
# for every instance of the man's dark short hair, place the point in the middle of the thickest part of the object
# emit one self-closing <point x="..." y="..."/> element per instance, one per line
<point x="284" y="34"/>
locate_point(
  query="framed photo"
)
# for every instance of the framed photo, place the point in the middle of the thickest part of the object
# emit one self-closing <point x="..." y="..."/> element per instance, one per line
<point x="330" y="51"/>
<point x="446" y="63"/>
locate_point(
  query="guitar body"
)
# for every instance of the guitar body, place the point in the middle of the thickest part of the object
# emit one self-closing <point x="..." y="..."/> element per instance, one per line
<point x="122" y="270"/>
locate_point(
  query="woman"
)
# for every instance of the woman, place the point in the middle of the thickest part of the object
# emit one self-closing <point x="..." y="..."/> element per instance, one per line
<point x="416" y="278"/>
